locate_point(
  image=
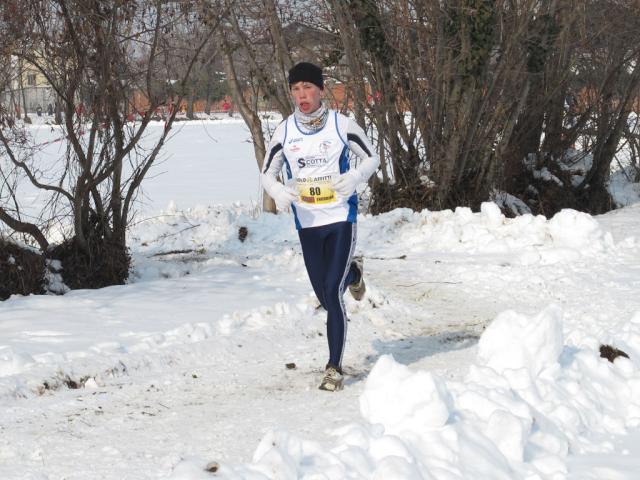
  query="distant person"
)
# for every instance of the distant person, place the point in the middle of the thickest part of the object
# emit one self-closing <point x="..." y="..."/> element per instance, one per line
<point x="50" y="110"/>
<point x="227" y="108"/>
<point x="314" y="144"/>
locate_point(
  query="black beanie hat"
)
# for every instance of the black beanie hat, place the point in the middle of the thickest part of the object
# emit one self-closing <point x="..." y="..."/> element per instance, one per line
<point x="306" y="72"/>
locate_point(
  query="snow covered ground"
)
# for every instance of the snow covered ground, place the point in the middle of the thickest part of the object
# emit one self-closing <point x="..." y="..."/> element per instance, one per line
<point x="475" y="353"/>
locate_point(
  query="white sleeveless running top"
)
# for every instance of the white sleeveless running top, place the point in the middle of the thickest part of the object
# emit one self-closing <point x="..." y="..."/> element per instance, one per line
<point x="312" y="160"/>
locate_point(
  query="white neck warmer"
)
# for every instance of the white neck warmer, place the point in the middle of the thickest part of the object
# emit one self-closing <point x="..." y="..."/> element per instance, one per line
<point x="313" y="121"/>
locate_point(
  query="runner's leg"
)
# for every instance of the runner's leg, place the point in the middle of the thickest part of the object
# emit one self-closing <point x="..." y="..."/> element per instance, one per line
<point x="338" y="251"/>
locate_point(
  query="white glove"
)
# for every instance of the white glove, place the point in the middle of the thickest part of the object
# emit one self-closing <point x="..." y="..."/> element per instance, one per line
<point x="284" y="196"/>
<point x="346" y="183"/>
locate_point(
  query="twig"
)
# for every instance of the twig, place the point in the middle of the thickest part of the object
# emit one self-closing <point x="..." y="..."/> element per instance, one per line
<point x="177" y="214"/>
<point x="180" y="231"/>
<point x="167" y="235"/>
<point x="172" y="252"/>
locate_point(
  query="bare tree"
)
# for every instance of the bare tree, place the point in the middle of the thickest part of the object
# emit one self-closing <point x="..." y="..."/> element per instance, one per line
<point x="96" y="54"/>
<point x="611" y="68"/>
<point x="255" y="55"/>
<point x="465" y="93"/>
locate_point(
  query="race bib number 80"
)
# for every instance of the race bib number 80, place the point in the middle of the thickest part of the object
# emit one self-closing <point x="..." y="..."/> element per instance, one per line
<point x="316" y="190"/>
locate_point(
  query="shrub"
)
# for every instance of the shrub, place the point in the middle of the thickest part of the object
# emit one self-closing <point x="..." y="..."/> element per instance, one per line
<point x="22" y="270"/>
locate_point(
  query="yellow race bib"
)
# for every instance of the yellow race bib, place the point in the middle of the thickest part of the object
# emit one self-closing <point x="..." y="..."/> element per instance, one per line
<point x="316" y="190"/>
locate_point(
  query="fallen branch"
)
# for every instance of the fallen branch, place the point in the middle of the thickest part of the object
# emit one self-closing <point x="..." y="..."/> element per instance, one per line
<point x="167" y="235"/>
<point x="172" y="252"/>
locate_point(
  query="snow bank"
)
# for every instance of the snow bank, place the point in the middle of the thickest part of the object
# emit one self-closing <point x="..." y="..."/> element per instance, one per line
<point x="525" y="404"/>
<point x="121" y="353"/>
<point x="567" y="236"/>
<point x="211" y="233"/>
<point x="208" y="236"/>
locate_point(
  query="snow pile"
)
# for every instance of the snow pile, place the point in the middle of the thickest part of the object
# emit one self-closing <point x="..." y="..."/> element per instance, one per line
<point x="523" y="407"/>
<point x="624" y="191"/>
<point x="114" y="354"/>
<point x="533" y="239"/>
<point x="210" y="234"/>
<point x="204" y="237"/>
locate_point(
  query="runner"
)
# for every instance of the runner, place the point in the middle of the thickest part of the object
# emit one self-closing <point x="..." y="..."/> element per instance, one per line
<point x="313" y="144"/>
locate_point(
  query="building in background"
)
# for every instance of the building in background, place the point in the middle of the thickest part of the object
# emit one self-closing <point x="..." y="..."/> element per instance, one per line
<point x="27" y="89"/>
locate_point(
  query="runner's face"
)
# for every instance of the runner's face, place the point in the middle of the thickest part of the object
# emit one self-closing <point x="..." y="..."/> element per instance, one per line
<point x="307" y="96"/>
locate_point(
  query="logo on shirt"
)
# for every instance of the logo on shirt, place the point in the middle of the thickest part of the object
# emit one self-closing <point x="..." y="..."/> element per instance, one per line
<point x="312" y="161"/>
<point x="325" y="145"/>
<point x="294" y="140"/>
